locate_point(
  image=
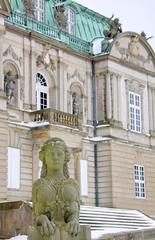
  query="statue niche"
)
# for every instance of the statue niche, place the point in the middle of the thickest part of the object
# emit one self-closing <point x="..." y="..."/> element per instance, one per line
<point x="55" y="196"/>
<point x="10" y="86"/>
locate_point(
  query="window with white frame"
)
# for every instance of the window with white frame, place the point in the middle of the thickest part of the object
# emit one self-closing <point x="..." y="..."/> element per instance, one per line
<point x="84" y="177"/>
<point x="71" y="21"/>
<point x="13" y="168"/>
<point x="39" y="10"/>
<point x="139" y="181"/>
<point x="42" y="92"/>
<point x="135" y="112"/>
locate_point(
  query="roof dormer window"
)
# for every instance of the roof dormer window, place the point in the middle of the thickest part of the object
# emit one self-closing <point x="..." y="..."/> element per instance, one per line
<point x="71" y="21"/>
<point x="39" y="10"/>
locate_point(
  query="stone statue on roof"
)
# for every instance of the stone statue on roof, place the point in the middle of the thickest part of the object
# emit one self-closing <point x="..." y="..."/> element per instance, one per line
<point x="29" y="7"/>
<point x="59" y="13"/>
<point x="55" y="196"/>
<point x="143" y="34"/>
<point x="114" y="28"/>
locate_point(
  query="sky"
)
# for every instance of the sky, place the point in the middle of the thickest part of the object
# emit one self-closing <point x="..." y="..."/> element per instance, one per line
<point x="134" y="15"/>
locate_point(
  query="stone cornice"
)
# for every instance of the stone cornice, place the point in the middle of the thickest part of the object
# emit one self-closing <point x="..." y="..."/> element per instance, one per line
<point x="125" y="64"/>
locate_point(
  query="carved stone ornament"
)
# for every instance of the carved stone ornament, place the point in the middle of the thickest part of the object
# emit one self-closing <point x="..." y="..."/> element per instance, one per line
<point x="45" y="59"/>
<point x="134" y="86"/>
<point x="11" y="52"/>
<point x="132" y="53"/>
<point x="55" y="196"/>
<point x="75" y="74"/>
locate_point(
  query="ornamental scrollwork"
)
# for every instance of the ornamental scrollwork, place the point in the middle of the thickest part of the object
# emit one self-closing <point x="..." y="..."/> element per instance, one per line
<point x="11" y="52"/>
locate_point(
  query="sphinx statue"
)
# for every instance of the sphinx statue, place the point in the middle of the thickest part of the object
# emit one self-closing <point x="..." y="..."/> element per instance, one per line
<point x="55" y="196"/>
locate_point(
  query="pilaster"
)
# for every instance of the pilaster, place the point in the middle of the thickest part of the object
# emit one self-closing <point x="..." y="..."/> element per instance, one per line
<point x="114" y="97"/>
<point x="108" y="96"/>
<point x="4" y="154"/>
<point x="61" y="80"/>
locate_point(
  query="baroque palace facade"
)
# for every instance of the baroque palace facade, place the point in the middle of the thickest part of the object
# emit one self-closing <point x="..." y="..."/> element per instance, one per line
<point x="69" y="72"/>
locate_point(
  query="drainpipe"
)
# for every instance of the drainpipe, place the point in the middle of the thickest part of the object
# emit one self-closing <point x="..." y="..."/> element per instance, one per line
<point x="94" y="132"/>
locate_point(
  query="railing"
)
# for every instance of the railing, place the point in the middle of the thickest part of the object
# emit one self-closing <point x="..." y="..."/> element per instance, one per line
<point x="32" y="24"/>
<point x="56" y="117"/>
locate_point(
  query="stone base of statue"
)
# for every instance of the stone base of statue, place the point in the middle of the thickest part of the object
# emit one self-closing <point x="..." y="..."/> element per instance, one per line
<point x="60" y="234"/>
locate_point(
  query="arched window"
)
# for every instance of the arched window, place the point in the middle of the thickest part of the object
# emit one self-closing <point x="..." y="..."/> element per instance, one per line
<point x="71" y="21"/>
<point x="42" y="92"/>
<point x="39" y="10"/>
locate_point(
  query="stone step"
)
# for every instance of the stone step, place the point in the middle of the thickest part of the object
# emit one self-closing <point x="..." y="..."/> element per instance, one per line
<point x="105" y="218"/>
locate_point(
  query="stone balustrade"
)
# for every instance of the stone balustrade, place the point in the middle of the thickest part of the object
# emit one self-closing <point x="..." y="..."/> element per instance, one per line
<point x="56" y="117"/>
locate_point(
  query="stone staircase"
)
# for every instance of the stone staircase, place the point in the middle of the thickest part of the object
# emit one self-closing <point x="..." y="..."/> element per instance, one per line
<point x="110" y="219"/>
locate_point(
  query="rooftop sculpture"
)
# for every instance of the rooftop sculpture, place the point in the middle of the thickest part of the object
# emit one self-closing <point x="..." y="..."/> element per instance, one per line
<point x="115" y="28"/>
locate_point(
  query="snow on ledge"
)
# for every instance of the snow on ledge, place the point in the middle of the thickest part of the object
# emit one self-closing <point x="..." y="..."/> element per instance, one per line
<point x="31" y="124"/>
<point x="98" y="139"/>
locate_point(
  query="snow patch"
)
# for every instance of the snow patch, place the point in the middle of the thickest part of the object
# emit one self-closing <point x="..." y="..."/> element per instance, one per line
<point x="31" y="124"/>
<point x="20" y="237"/>
<point x="98" y="139"/>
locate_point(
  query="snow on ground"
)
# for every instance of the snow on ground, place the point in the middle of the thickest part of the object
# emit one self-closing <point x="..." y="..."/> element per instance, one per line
<point x="20" y="237"/>
<point x="96" y="234"/>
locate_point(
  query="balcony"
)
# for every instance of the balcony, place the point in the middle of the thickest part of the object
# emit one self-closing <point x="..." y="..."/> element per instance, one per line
<point x="56" y="117"/>
<point x="32" y="25"/>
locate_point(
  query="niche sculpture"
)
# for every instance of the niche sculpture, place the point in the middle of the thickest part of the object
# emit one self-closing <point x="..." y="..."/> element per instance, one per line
<point x="55" y="196"/>
<point x="9" y="85"/>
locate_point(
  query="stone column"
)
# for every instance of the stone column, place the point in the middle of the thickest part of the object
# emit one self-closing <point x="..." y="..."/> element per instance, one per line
<point x="32" y="74"/>
<point x="114" y="97"/>
<point x="65" y="101"/>
<point x="120" y="99"/>
<point x="108" y="96"/>
<point x="100" y="96"/>
<point x="3" y="99"/>
<point x="153" y="108"/>
<point x="3" y="153"/>
<point x="3" y="121"/>
<point x="150" y="108"/>
<point x="145" y="111"/>
<point x="26" y="75"/>
<point x="60" y="77"/>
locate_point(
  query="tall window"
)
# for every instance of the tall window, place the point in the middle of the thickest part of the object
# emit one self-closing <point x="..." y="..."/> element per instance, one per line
<point x="84" y="177"/>
<point x="13" y="168"/>
<point x="39" y="10"/>
<point x="42" y="92"/>
<point x="135" y="112"/>
<point x="71" y="21"/>
<point x="139" y="181"/>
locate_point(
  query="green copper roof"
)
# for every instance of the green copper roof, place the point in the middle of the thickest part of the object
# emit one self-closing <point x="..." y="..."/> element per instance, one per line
<point x="88" y="24"/>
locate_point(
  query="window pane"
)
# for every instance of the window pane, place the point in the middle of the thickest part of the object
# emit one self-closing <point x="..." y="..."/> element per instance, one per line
<point x="39" y="10"/>
<point x="13" y="168"/>
<point x="139" y="181"/>
<point x="84" y="177"/>
<point x="42" y="92"/>
<point x="71" y="21"/>
<point x="135" y="112"/>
